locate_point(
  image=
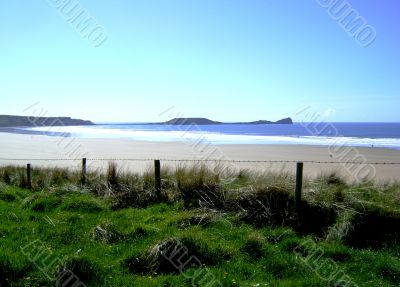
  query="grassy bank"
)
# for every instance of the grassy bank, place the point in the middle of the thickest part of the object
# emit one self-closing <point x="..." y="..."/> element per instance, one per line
<point x="202" y="230"/>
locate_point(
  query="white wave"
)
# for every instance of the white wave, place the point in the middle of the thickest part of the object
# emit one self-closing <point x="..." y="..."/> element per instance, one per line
<point x="218" y="138"/>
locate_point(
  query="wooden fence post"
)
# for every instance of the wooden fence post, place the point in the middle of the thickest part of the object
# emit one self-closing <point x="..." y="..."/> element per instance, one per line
<point x="28" y="176"/>
<point x="157" y="174"/>
<point x="299" y="184"/>
<point x="84" y="170"/>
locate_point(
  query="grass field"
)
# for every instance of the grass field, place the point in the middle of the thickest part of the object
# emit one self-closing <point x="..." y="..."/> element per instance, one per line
<point x="115" y="230"/>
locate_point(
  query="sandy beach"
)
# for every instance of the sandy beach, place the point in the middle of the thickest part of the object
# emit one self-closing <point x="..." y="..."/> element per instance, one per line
<point x="136" y="156"/>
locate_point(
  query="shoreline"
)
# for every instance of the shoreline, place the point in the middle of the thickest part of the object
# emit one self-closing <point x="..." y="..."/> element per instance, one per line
<point x="47" y="148"/>
<point x="214" y="138"/>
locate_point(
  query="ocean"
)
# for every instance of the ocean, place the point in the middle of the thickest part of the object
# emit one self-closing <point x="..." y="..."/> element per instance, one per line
<point x="385" y="135"/>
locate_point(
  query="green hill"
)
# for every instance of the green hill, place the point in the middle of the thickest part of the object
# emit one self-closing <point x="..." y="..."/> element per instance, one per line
<point x="116" y="230"/>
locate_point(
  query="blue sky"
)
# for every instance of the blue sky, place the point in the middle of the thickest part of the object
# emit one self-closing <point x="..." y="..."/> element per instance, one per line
<point x="225" y="60"/>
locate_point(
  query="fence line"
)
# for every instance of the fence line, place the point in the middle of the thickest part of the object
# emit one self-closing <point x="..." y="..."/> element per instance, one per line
<point x="157" y="169"/>
<point x="201" y="160"/>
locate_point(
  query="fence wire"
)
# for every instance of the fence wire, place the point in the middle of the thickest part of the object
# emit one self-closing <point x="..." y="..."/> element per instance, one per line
<point x="202" y="160"/>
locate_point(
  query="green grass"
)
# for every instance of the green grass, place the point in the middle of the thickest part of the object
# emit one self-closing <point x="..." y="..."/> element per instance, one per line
<point x="114" y="231"/>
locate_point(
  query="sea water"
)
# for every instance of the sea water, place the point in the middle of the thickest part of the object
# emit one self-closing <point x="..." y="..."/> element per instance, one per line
<point x="349" y="134"/>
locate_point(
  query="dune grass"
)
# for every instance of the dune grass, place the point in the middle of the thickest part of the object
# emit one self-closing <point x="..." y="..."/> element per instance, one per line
<point x="203" y="231"/>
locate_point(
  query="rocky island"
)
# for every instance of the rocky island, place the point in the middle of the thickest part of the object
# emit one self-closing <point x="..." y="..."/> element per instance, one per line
<point x="205" y="121"/>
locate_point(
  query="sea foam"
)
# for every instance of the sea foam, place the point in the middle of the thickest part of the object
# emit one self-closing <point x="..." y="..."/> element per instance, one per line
<point x="142" y="134"/>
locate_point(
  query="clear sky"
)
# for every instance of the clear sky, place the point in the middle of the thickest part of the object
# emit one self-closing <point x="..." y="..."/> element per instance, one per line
<point x="227" y="60"/>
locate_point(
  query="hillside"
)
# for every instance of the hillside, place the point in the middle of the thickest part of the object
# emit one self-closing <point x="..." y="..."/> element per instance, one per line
<point x="25" y="121"/>
<point x="116" y="230"/>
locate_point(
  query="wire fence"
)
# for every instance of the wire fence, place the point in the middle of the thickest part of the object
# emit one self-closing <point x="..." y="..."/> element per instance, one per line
<point x="83" y="164"/>
<point x="201" y="160"/>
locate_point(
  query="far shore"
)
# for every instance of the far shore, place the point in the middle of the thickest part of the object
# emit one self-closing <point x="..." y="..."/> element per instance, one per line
<point x="47" y="148"/>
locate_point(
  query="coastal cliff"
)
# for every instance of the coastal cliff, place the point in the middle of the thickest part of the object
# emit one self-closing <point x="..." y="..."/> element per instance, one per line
<point x="26" y="121"/>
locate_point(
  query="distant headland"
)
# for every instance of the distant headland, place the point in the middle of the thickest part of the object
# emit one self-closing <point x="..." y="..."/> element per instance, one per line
<point x="205" y="121"/>
<point x="7" y="121"/>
